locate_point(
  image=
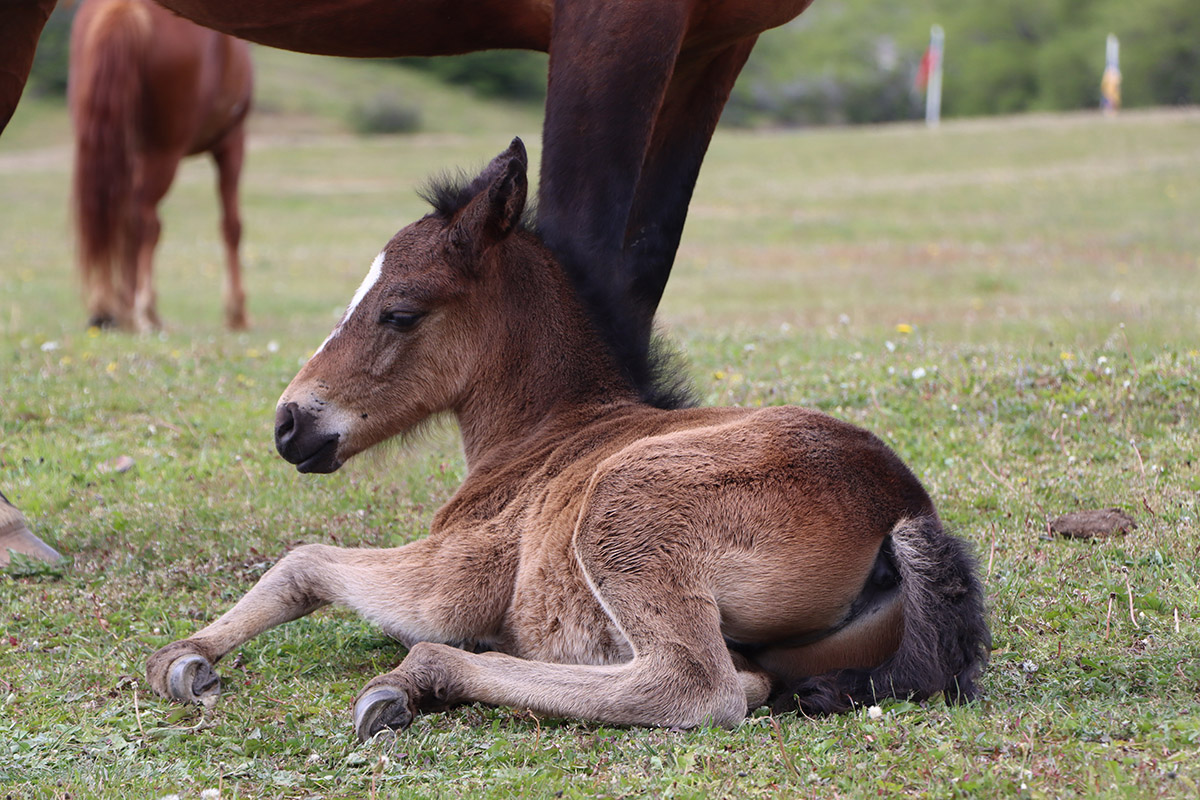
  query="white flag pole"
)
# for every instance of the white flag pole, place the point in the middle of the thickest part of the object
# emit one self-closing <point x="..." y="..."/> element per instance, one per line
<point x="933" y="92"/>
<point x="1110" y="83"/>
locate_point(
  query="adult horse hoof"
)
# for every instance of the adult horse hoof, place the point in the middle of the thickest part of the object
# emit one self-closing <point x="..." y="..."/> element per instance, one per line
<point x="191" y="679"/>
<point x="381" y="708"/>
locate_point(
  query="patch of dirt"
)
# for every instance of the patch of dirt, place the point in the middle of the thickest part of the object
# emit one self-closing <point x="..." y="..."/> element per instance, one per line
<point x="1093" y="524"/>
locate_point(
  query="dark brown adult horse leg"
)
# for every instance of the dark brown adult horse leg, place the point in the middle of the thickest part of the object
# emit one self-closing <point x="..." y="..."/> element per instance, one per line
<point x="636" y="91"/>
<point x="21" y="24"/>
<point x="682" y="133"/>
<point x="610" y="68"/>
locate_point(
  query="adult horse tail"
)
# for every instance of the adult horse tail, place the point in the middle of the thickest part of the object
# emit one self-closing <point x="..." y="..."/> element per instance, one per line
<point x="945" y="641"/>
<point x="106" y="107"/>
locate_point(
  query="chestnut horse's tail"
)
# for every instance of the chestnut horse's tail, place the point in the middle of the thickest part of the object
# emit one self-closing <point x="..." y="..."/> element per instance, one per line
<point x="945" y="642"/>
<point x="107" y="111"/>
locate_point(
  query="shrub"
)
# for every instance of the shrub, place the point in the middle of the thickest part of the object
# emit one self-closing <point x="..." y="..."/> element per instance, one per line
<point x="385" y="113"/>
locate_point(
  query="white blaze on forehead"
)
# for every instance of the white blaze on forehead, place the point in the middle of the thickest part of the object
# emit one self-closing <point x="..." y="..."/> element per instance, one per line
<point x="372" y="278"/>
<point x="364" y="287"/>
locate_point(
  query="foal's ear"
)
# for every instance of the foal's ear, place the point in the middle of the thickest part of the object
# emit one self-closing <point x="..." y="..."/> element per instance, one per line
<point x="498" y="202"/>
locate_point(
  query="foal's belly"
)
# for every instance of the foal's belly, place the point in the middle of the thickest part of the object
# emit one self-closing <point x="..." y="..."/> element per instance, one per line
<point x="555" y="617"/>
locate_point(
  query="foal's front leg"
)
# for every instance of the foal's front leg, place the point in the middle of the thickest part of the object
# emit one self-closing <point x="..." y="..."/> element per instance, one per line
<point x="672" y="681"/>
<point x="389" y="587"/>
<point x="681" y="675"/>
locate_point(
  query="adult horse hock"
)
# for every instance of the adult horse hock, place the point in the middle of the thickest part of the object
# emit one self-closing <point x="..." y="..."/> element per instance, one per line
<point x="635" y="92"/>
<point x="604" y="559"/>
<point x="146" y="89"/>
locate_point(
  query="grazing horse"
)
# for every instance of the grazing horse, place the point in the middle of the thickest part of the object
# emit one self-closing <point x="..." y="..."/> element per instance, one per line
<point x="604" y="559"/>
<point x="635" y="91"/>
<point x="146" y="89"/>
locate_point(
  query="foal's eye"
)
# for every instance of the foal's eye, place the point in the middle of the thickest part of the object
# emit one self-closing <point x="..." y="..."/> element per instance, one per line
<point x="400" y="320"/>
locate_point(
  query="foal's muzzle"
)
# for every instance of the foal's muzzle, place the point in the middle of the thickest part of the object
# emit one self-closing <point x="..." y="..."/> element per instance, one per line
<point x="299" y="440"/>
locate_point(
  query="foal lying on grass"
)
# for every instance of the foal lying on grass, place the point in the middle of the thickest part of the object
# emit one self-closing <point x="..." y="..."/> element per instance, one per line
<point x="605" y="559"/>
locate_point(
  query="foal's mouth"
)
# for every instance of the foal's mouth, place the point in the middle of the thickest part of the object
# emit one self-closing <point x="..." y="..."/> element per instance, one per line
<point x="325" y="460"/>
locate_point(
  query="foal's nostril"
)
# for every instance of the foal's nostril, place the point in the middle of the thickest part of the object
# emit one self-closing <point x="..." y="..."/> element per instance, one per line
<point x="285" y="423"/>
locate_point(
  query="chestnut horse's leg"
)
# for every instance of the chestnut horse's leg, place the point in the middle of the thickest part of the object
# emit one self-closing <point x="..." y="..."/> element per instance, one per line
<point x="610" y="65"/>
<point x="157" y="171"/>
<point x="682" y="133"/>
<point x="102" y="296"/>
<point x="410" y="591"/>
<point x="21" y="23"/>
<point x="229" y="154"/>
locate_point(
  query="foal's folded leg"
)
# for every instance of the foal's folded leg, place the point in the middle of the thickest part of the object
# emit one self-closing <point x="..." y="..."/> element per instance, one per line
<point x="304" y="580"/>
<point x="682" y="675"/>
<point x="674" y="687"/>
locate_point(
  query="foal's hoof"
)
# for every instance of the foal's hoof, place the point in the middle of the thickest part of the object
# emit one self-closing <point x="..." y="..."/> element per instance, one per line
<point x="380" y="708"/>
<point x="193" y="680"/>
<point x="188" y="678"/>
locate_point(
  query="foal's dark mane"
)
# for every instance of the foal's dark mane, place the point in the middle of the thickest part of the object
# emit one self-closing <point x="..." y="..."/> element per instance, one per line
<point x="659" y="376"/>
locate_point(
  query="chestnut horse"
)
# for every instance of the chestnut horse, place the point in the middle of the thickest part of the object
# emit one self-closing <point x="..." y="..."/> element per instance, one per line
<point x="146" y="89"/>
<point x="618" y="562"/>
<point x="635" y="91"/>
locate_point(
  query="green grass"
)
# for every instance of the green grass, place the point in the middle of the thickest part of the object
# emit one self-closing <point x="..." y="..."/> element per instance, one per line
<point x="1013" y="304"/>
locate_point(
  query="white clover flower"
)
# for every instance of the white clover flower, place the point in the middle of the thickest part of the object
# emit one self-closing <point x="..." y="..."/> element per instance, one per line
<point x="875" y="712"/>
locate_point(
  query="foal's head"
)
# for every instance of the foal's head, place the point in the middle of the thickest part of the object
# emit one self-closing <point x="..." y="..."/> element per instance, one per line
<point x="414" y="332"/>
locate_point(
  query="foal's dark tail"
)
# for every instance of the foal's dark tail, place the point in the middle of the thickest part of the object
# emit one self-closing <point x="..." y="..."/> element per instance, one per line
<point x="945" y="643"/>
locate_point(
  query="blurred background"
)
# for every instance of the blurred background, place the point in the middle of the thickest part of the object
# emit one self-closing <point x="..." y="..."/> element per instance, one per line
<point x="842" y="61"/>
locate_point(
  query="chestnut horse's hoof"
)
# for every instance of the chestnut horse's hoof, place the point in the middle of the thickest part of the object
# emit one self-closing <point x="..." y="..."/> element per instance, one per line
<point x="188" y="678"/>
<point x="379" y="709"/>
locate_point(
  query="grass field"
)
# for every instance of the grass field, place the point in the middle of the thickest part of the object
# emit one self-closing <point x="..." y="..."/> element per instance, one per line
<point x="1013" y="304"/>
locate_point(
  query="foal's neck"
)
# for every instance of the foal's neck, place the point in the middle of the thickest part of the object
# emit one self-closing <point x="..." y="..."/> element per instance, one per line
<point x="543" y="364"/>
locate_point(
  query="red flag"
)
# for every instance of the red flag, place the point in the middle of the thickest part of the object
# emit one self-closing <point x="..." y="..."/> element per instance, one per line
<point x="925" y="69"/>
